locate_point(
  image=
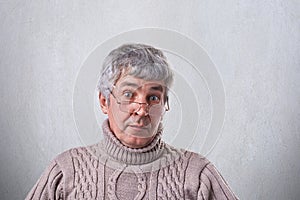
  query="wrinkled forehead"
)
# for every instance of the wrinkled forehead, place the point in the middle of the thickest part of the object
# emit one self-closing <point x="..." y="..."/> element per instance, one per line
<point x="140" y="84"/>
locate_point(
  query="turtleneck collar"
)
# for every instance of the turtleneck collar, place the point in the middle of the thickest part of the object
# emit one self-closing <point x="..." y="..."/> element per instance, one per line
<point x="115" y="149"/>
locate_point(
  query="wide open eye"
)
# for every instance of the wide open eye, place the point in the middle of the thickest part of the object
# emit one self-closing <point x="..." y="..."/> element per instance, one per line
<point x="154" y="99"/>
<point x="127" y="95"/>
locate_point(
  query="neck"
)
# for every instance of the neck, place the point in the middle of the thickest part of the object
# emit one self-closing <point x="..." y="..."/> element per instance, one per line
<point x="134" y="156"/>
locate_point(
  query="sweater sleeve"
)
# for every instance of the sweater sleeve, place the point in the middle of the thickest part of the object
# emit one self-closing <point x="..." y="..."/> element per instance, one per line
<point x="49" y="186"/>
<point x="213" y="186"/>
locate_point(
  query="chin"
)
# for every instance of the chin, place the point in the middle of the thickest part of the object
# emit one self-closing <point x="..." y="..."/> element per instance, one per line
<point x="137" y="142"/>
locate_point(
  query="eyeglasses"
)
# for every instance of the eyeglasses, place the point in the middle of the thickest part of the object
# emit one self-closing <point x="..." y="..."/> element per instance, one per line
<point x="157" y="109"/>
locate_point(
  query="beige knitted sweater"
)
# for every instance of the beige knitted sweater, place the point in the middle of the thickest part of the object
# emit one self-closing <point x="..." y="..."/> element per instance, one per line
<point x="110" y="170"/>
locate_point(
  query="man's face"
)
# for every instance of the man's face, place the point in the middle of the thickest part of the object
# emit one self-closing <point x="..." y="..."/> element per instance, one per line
<point x="135" y="125"/>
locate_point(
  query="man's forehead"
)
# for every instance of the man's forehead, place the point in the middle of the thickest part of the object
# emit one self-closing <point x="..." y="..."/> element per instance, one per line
<point x="140" y="83"/>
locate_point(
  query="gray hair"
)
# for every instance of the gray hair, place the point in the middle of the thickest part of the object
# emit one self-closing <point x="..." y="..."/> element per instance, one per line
<point x="138" y="60"/>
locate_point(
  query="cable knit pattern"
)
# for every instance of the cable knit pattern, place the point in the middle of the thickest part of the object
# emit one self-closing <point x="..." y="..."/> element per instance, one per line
<point x="142" y="186"/>
<point x="171" y="179"/>
<point x="111" y="171"/>
<point x="85" y="177"/>
<point x="112" y="184"/>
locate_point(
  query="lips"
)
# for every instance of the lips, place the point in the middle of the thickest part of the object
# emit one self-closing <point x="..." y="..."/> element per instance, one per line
<point x="138" y="126"/>
<point x="138" y="123"/>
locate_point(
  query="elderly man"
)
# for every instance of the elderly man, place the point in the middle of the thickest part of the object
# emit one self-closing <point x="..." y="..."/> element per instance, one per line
<point x="132" y="161"/>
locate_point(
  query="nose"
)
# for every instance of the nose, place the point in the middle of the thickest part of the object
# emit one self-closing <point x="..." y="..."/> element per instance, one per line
<point x="143" y="109"/>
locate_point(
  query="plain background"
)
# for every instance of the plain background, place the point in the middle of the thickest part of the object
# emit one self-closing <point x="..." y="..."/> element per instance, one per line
<point x="255" y="46"/>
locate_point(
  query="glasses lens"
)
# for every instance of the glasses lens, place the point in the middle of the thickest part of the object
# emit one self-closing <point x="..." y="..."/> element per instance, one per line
<point x="126" y="106"/>
<point x="157" y="110"/>
<point x="153" y="110"/>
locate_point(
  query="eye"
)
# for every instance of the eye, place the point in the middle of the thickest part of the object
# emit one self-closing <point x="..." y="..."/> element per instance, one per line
<point x="127" y="94"/>
<point x="154" y="99"/>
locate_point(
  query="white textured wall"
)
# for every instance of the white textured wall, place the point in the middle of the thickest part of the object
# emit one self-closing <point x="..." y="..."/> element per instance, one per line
<point x="255" y="46"/>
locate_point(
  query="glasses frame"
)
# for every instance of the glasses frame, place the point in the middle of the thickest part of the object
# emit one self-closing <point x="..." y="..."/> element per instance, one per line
<point x="166" y="105"/>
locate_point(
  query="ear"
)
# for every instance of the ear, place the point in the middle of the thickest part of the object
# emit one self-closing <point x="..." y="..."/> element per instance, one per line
<point x="103" y="103"/>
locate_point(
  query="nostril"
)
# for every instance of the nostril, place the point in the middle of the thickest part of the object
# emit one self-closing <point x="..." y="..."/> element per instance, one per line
<point x="143" y="109"/>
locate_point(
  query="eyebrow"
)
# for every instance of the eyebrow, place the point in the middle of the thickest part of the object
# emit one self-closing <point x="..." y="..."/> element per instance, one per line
<point x="159" y="88"/>
<point x="130" y="84"/>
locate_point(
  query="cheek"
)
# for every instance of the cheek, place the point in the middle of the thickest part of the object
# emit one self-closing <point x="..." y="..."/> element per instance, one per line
<point x="118" y="116"/>
<point x="155" y="121"/>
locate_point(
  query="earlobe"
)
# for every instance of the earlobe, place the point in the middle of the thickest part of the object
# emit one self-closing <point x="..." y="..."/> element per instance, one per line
<point x="103" y="103"/>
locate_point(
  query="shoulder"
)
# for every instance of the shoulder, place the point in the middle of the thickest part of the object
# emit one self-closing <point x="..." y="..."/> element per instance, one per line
<point x="195" y="161"/>
<point x="77" y="164"/>
<point x="201" y="165"/>
<point x="76" y="156"/>
<point x="196" y="165"/>
<point x="198" y="160"/>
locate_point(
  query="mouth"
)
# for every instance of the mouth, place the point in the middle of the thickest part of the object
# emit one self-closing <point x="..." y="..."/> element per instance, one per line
<point x="139" y="127"/>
